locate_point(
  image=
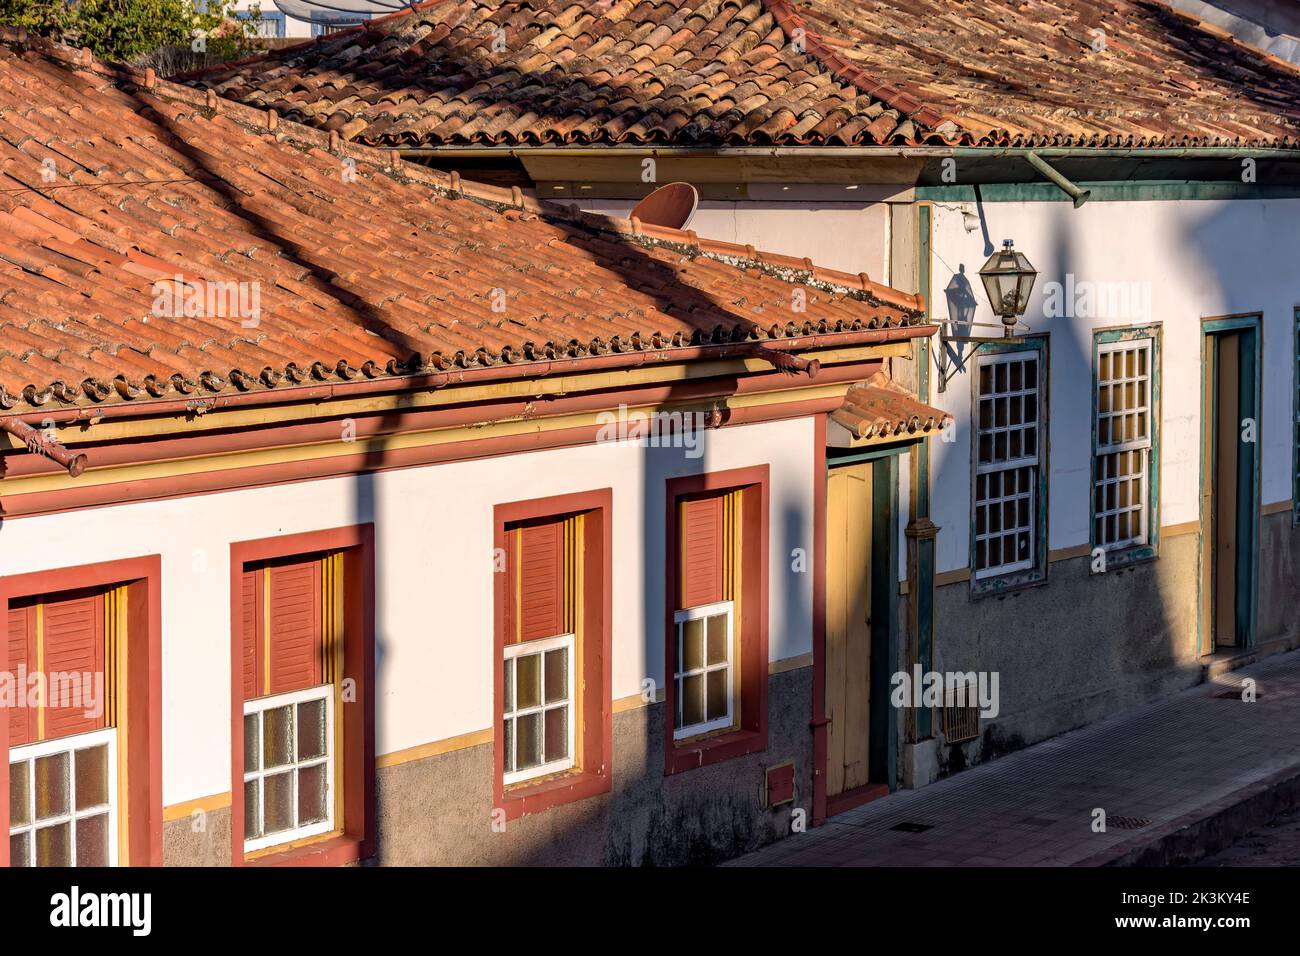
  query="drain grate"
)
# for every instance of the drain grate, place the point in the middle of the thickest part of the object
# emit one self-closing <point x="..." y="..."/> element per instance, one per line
<point x="1128" y="823"/>
<point x="912" y="827"/>
<point x="960" y="722"/>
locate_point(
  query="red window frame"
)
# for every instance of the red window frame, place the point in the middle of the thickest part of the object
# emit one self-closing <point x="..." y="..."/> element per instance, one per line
<point x="750" y="736"/>
<point x="592" y="775"/>
<point x="357" y="839"/>
<point x="143" y="740"/>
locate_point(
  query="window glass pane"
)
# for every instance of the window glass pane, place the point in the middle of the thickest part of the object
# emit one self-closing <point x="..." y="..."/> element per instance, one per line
<point x="693" y="700"/>
<point x="509" y="761"/>
<point x="252" y="811"/>
<point x="557" y="734"/>
<point x="54" y="845"/>
<point x="528" y="681"/>
<point x="277" y="738"/>
<point x="252" y="743"/>
<point x="717" y="639"/>
<point x="20" y="849"/>
<point x="278" y="793"/>
<point x="311" y="794"/>
<point x="92" y="779"/>
<point x="509" y="685"/>
<point x="717" y="685"/>
<point x="92" y="840"/>
<point x="51" y="787"/>
<point x="311" y="729"/>
<point x="528" y="743"/>
<point x="557" y="675"/>
<point x="692" y="645"/>
<point x="19" y="794"/>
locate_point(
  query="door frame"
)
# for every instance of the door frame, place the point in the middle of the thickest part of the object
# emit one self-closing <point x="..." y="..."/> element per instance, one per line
<point x="883" y="729"/>
<point x="1252" y="322"/>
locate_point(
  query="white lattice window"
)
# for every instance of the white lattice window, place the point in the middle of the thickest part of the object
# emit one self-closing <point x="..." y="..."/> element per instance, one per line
<point x="1006" y="462"/>
<point x="538" y="713"/>
<point x="704" y="680"/>
<point x="63" y="801"/>
<point x="1121" y="472"/>
<point x="288" y="766"/>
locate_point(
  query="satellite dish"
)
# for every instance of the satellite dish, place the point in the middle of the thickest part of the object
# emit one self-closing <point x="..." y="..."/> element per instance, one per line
<point x="671" y="206"/>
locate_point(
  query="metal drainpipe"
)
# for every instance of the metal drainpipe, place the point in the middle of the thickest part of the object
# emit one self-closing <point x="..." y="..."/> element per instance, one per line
<point x="1080" y="196"/>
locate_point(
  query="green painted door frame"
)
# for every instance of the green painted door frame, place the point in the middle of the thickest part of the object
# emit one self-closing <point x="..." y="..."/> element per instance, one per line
<point x="883" y="733"/>
<point x="1247" y="506"/>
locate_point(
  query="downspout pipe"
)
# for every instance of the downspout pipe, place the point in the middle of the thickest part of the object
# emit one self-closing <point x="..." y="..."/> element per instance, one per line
<point x="38" y="444"/>
<point x="1080" y="196"/>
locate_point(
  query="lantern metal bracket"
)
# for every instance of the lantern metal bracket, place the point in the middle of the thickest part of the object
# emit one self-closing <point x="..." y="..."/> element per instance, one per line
<point x="950" y="361"/>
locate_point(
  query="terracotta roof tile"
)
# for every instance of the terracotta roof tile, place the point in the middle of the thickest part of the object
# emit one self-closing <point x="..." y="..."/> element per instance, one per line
<point x="878" y="409"/>
<point x="726" y="72"/>
<point x="337" y="265"/>
<point x="1125" y="73"/>
<point x="707" y="72"/>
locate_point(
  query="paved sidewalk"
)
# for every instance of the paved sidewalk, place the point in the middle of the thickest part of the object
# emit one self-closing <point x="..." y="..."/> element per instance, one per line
<point x="1170" y="763"/>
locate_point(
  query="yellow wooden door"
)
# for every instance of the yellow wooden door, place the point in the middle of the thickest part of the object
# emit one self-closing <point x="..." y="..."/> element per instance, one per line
<point x="848" y="625"/>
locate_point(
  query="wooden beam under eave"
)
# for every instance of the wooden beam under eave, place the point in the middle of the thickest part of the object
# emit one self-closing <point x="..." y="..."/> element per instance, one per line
<point x="628" y="170"/>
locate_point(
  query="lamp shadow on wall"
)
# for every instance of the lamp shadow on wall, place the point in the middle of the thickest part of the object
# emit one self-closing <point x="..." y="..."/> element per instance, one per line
<point x="1059" y="669"/>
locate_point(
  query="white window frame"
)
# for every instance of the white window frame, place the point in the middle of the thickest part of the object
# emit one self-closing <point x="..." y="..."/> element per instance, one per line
<point x="1143" y="445"/>
<point x="69" y="745"/>
<point x="679" y="678"/>
<point x="259" y="706"/>
<point x="1009" y="466"/>
<point x="529" y="649"/>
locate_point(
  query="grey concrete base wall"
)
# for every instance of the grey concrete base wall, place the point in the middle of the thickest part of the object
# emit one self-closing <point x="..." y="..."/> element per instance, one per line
<point x="438" y="811"/>
<point x="1085" y="646"/>
<point x="1074" y="650"/>
<point x="199" y="840"/>
<point x="1279" y="578"/>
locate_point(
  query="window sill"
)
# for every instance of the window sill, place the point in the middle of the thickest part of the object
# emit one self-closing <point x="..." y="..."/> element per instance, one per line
<point x="700" y="752"/>
<point x="569" y="787"/>
<point x="1006" y="584"/>
<point x="329" y="850"/>
<point x="1126" y="557"/>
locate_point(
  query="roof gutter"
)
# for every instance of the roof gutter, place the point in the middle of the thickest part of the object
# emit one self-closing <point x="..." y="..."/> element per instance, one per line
<point x="851" y="152"/>
<point x="770" y="351"/>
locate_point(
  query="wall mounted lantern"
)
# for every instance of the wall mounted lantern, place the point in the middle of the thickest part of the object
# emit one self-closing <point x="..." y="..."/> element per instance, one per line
<point x="1008" y="279"/>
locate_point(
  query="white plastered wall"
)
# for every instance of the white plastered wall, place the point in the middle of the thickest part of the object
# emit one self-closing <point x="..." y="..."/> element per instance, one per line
<point x="1202" y="259"/>
<point x="433" y="575"/>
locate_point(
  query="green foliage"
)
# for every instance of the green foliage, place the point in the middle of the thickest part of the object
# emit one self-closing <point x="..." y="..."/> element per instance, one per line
<point x="127" y="30"/>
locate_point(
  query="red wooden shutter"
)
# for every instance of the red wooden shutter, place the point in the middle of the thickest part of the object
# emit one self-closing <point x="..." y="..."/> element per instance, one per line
<point x="22" y="659"/>
<point x="701" y="551"/>
<point x="540" y="572"/>
<point x="297" y="629"/>
<point x="251" y="662"/>
<point x="74" y="644"/>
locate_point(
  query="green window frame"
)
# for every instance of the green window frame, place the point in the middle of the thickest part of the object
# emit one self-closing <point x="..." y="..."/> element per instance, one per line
<point x="1124" y="493"/>
<point x="1009" y="467"/>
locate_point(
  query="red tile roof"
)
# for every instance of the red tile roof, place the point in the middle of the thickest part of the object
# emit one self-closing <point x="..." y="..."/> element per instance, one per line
<point x="365" y="267"/>
<point x="694" y="72"/>
<point x="729" y="72"/>
<point x="882" y="410"/>
<point x="1116" y="73"/>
